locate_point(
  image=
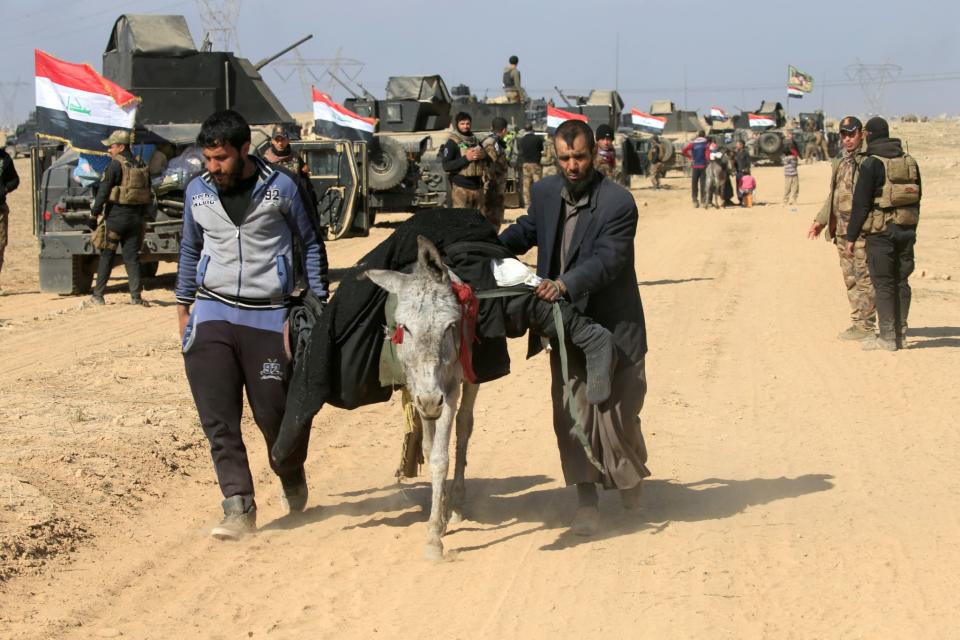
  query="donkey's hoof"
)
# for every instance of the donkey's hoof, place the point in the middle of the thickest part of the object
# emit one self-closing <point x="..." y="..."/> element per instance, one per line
<point x="433" y="552"/>
<point x="456" y="517"/>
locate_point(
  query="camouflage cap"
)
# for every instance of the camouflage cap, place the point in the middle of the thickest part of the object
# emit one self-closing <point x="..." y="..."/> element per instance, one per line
<point x="280" y="130"/>
<point x="117" y="137"/>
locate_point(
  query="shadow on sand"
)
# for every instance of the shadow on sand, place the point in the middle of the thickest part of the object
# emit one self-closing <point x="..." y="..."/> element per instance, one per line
<point x="941" y="337"/>
<point x="499" y="503"/>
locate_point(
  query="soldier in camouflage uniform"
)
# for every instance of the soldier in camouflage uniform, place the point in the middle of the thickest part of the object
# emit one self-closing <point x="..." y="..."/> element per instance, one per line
<point x="605" y="160"/>
<point x="464" y="160"/>
<point x="495" y="173"/>
<point x="549" y="161"/>
<point x="835" y="216"/>
<point x="655" y="157"/>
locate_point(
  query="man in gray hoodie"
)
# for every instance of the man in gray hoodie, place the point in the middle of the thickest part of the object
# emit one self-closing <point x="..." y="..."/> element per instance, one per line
<point x="234" y="283"/>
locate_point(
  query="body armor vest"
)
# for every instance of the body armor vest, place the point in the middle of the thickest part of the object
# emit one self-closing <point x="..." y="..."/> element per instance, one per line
<point x="899" y="198"/>
<point x="134" y="187"/>
<point x="474" y="168"/>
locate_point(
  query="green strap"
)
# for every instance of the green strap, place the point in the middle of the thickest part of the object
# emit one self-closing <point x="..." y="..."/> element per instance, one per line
<point x="570" y="400"/>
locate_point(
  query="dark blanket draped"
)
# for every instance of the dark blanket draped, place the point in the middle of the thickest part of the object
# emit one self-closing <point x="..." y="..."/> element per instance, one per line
<point x="340" y="364"/>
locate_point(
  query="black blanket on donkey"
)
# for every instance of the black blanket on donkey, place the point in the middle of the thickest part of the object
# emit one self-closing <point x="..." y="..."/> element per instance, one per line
<point x="341" y="362"/>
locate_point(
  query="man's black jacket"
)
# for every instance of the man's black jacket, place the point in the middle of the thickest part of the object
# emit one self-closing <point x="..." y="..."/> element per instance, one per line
<point x="870" y="178"/>
<point x="599" y="274"/>
<point x="9" y="178"/>
<point x="530" y="147"/>
<point x="453" y="162"/>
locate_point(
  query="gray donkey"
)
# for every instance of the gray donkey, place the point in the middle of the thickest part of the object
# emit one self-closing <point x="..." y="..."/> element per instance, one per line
<point x="429" y="316"/>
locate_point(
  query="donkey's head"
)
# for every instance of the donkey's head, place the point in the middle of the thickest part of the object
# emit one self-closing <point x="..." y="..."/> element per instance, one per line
<point x="428" y="318"/>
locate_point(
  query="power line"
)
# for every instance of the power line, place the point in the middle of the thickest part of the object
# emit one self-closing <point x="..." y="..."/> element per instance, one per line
<point x="220" y="19"/>
<point x="304" y="69"/>
<point x="873" y="79"/>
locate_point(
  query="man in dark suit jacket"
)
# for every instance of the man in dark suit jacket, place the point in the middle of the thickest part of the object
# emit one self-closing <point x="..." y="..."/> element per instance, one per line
<point x="583" y="226"/>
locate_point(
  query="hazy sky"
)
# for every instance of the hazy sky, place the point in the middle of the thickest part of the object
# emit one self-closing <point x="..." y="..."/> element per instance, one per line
<point x="728" y="54"/>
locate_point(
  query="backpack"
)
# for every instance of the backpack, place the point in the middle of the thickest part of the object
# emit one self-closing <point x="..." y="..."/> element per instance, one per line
<point x="134" y="187"/>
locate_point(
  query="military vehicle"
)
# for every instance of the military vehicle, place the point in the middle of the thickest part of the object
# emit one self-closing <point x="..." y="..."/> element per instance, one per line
<point x="805" y="133"/>
<point x="403" y="171"/>
<point x="680" y="126"/>
<point x="764" y="143"/>
<point x="154" y="57"/>
<point x="25" y="138"/>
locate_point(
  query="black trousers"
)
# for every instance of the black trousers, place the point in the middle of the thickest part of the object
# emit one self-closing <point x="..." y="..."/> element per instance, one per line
<point x="222" y="360"/>
<point x="130" y="230"/>
<point x="698" y="177"/>
<point x="890" y="261"/>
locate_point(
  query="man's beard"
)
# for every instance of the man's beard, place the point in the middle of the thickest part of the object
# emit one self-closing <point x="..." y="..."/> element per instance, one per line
<point x="281" y="153"/>
<point x="581" y="186"/>
<point x="234" y="178"/>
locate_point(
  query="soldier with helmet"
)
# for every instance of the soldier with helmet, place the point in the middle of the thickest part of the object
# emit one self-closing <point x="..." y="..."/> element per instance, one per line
<point x="121" y="200"/>
<point x="279" y="152"/>
<point x="886" y="211"/>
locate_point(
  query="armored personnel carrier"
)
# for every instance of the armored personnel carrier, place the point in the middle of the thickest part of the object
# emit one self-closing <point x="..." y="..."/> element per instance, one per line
<point x="153" y="57"/>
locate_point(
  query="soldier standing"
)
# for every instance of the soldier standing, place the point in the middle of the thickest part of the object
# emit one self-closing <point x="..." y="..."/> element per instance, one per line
<point x="121" y="199"/>
<point x="655" y="158"/>
<point x="495" y="176"/>
<point x="511" y="82"/>
<point x="886" y="210"/>
<point x="465" y="160"/>
<point x="835" y="217"/>
<point x="281" y="153"/>
<point x="530" y="148"/>
<point x="549" y="161"/>
<point x="9" y="180"/>
<point x="606" y="159"/>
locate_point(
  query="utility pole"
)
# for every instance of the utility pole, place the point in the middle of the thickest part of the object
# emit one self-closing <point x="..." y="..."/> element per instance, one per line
<point x="220" y="19"/>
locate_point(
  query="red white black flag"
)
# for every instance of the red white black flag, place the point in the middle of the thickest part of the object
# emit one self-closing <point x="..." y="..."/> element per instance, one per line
<point x="333" y="120"/>
<point x="78" y="106"/>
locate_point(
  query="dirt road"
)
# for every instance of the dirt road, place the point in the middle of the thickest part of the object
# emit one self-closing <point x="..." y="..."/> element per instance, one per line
<point x="801" y="489"/>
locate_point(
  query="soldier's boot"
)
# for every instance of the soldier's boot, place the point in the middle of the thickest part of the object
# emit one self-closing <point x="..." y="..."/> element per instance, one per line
<point x="904" y="311"/>
<point x="239" y="518"/>
<point x="593" y="339"/>
<point x="97" y="300"/>
<point x="855" y="332"/>
<point x="886" y="341"/>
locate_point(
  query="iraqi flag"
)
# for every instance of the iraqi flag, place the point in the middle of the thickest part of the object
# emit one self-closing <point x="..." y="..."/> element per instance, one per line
<point x="717" y="113"/>
<point x="556" y="117"/>
<point x="758" y="121"/>
<point x="794" y="92"/>
<point x="647" y="122"/>
<point x="78" y="106"/>
<point x="333" y="120"/>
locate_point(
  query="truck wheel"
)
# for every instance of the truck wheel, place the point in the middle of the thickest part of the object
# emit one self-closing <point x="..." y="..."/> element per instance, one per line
<point x="387" y="163"/>
<point x="149" y="269"/>
<point x="667" y="150"/>
<point x="770" y="143"/>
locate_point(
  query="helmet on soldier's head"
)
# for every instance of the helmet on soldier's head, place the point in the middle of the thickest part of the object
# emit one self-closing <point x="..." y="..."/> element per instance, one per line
<point x="514" y="60"/>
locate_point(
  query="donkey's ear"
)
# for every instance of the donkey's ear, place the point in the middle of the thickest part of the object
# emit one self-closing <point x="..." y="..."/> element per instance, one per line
<point x="392" y="281"/>
<point x="429" y="260"/>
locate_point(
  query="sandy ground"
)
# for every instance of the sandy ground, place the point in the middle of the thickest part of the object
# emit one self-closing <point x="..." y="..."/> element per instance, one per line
<point x="801" y="489"/>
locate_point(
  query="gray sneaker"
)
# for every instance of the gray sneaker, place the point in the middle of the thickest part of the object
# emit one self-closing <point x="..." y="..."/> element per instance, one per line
<point x="237" y="521"/>
<point x="879" y="344"/>
<point x="854" y="332"/>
